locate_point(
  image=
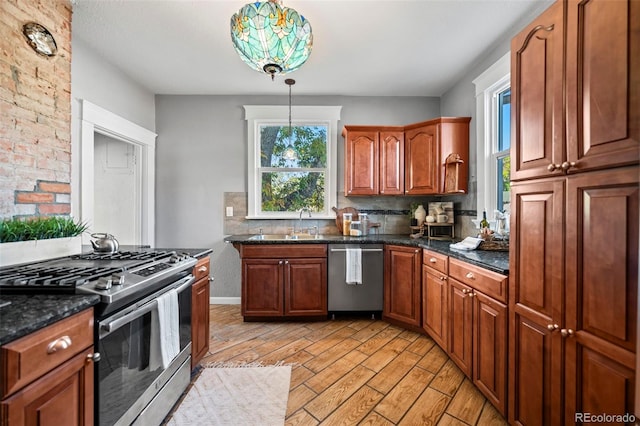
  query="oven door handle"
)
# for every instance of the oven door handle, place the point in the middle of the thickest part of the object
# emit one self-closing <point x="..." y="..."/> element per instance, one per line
<point x="179" y="286"/>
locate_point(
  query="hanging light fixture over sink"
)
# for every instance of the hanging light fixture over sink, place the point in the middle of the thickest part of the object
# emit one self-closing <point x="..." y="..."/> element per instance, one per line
<point x="271" y="38"/>
<point x="290" y="152"/>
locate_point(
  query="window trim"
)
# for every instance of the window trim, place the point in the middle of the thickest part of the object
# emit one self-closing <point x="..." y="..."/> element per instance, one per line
<point x="301" y="115"/>
<point x="489" y="84"/>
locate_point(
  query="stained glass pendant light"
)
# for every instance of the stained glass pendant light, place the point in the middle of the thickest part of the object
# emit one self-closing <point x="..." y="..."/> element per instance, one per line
<point x="271" y="38"/>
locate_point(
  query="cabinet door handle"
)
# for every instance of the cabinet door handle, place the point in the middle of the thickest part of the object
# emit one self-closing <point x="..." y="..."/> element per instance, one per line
<point x="286" y="262"/>
<point x="470" y="276"/>
<point x="202" y="269"/>
<point x="567" y="165"/>
<point x="471" y="293"/>
<point x="94" y="357"/>
<point x="433" y="260"/>
<point x="465" y="291"/>
<point x="566" y="332"/>
<point x="59" y="344"/>
<point x="442" y="278"/>
<point x="416" y="250"/>
<point x="552" y="327"/>
<point x="553" y="167"/>
<point x="280" y="262"/>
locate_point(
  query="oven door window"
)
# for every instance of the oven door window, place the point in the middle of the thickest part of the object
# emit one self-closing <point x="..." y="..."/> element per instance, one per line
<point x="127" y="369"/>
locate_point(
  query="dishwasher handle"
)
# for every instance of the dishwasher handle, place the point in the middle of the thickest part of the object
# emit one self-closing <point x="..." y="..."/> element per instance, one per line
<point x="334" y="250"/>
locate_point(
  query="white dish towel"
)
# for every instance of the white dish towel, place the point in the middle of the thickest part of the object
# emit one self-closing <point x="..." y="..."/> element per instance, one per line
<point x="165" y="331"/>
<point x="354" y="266"/>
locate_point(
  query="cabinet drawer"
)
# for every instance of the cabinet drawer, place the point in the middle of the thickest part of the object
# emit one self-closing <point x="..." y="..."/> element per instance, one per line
<point x="29" y="357"/>
<point x="201" y="269"/>
<point x="284" y="251"/>
<point x="489" y="282"/>
<point x="437" y="261"/>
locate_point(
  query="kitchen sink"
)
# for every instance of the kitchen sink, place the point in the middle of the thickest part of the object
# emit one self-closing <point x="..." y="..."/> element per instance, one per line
<point x="284" y="237"/>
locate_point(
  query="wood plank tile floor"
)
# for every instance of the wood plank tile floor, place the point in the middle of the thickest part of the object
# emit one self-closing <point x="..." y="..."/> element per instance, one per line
<point x="354" y="371"/>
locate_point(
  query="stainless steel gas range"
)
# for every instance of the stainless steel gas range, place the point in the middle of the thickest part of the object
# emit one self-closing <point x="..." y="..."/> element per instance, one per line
<point x="143" y="324"/>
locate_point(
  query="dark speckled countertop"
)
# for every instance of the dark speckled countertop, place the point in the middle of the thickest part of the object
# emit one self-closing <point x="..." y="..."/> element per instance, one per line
<point x="497" y="261"/>
<point x="25" y="314"/>
<point x="28" y="313"/>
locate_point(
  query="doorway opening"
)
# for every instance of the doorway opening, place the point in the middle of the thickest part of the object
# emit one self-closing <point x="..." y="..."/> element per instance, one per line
<point x="117" y="177"/>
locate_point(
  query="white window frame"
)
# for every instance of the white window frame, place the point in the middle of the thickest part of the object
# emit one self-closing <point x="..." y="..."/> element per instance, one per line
<point x="257" y="115"/>
<point x="489" y="85"/>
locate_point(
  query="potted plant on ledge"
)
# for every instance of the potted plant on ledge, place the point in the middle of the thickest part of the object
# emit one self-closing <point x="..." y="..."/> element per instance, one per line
<point x="39" y="238"/>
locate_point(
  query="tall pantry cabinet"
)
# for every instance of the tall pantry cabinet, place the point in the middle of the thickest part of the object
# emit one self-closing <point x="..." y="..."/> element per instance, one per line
<point x="574" y="258"/>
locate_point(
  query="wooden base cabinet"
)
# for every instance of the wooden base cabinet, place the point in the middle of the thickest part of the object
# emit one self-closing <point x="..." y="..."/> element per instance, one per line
<point x="200" y="293"/>
<point x="601" y="289"/>
<point x="42" y="386"/>
<point x="478" y="328"/>
<point x="435" y="305"/>
<point x="402" y="285"/>
<point x="291" y="284"/>
<point x="469" y="325"/>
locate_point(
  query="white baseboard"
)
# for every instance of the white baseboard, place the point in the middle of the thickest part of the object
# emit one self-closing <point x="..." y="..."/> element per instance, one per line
<point x="224" y="300"/>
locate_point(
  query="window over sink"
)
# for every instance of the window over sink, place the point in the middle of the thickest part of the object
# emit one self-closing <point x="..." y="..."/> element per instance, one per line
<point x="291" y="168"/>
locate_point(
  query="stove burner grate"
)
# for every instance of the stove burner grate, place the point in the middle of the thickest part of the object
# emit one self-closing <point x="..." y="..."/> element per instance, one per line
<point x="123" y="255"/>
<point x="55" y="278"/>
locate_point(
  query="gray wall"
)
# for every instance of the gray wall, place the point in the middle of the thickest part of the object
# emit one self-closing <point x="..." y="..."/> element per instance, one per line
<point x="97" y="81"/>
<point x="460" y="100"/>
<point x="201" y="154"/>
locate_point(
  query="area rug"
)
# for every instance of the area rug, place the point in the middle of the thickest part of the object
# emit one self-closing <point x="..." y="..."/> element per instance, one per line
<point x="245" y="395"/>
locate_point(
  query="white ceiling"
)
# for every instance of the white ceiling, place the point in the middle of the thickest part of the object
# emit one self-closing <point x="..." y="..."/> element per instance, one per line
<point x="361" y="48"/>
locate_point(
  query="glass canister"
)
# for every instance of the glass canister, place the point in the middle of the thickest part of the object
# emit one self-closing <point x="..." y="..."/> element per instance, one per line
<point x="356" y="228"/>
<point x="364" y="219"/>
<point x="346" y="223"/>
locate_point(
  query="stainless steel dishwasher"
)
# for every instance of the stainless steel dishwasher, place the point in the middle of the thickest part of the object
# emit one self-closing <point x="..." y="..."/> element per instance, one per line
<point x="365" y="297"/>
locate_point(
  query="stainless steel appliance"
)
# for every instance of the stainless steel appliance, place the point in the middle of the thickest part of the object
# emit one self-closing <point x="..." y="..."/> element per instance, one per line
<point x="130" y="388"/>
<point x="348" y="297"/>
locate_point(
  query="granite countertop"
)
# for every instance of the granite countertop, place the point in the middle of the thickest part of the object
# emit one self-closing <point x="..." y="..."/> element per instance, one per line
<point x="497" y="261"/>
<point x="26" y="314"/>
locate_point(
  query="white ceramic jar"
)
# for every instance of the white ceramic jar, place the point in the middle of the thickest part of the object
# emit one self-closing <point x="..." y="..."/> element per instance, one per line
<point x="420" y="214"/>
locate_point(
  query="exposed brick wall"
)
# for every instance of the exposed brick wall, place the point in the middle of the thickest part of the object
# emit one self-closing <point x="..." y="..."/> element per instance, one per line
<point x="35" y="111"/>
<point x="49" y="198"/>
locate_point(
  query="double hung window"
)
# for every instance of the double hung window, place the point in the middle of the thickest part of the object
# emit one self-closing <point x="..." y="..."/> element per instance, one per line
<point x="493" y="131"/>
<point x="291" y="168"/>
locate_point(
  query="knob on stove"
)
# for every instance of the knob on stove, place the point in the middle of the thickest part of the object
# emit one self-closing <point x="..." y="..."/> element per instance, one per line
<point x="104" y="283"/>
<point x="118" y="279"/>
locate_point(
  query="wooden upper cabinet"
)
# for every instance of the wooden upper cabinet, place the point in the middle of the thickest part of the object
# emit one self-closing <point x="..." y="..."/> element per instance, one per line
<point x="421" y="153"/>
<point x="392" y="162"/>
<point x="537" y="129"/>
<point x="427" y="146"/>
<point x="410" y="160"/>
<point x="603" y="84"/>
<point x="361" y="162"/>
<point x="374" y="160"/>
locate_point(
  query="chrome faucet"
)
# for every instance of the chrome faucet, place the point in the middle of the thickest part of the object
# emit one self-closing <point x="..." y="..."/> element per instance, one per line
<point x="302" y="210"/>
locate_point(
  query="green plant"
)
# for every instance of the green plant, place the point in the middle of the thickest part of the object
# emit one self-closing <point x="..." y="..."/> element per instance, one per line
<point x="412" y="209"/>
<point x="40" y="228"/>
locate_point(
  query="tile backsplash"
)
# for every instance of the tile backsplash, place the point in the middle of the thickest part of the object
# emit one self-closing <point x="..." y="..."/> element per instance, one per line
<point x="392" y="213"/>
